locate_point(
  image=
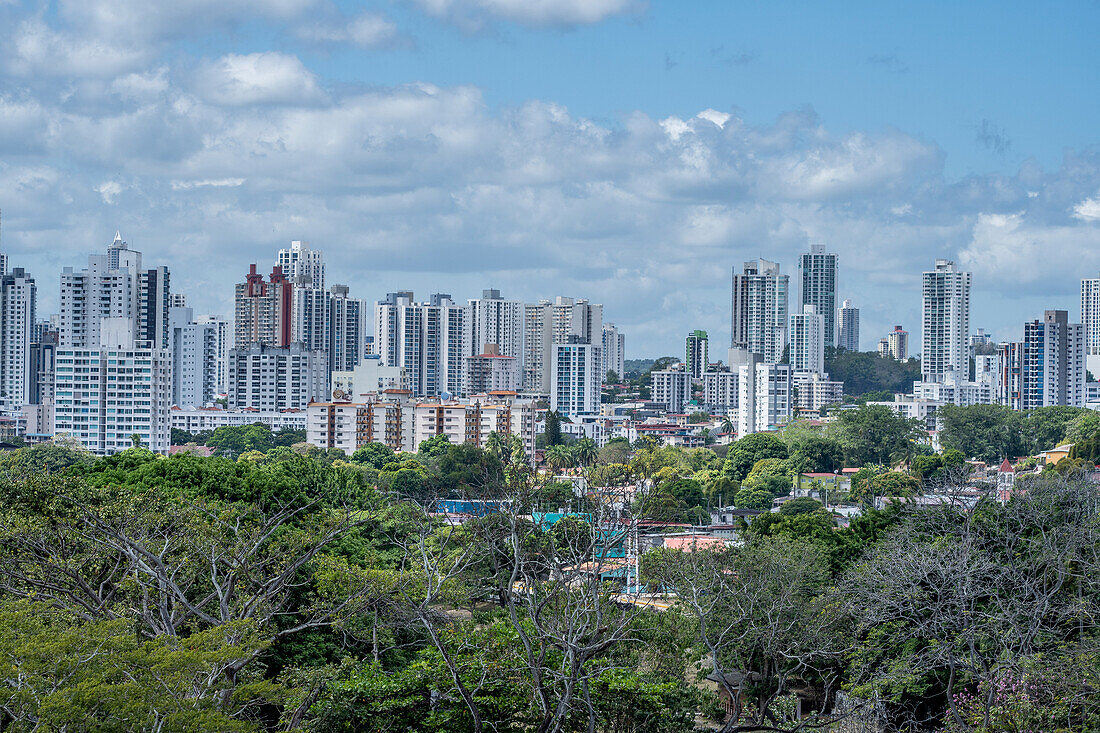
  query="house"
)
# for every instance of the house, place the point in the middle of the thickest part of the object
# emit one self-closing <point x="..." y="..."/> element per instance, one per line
<point x="1054" y="455"/>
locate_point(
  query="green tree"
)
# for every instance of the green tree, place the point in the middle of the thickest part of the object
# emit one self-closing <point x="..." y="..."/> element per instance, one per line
<point x="865" y="371"/>
<point x="552" y="428"/>
<point x="800" y="505"/>
<point x="876" y="434"/>
<point x="375" y="455"/>
<point x="745" y="453"/>
<point x="557" y="457"/>
<point x="989" y="433"/>
<point x="819" y="453"/>
<point x="1048" y="425"/>
<point x="434" y="447"/>
<point x="585" y="452"/>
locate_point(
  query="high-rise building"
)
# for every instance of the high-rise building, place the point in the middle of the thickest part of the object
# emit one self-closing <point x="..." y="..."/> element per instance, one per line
<point x="198" y="358"/>
<point x="548" y="323"/>
<point x="696" y="354"/>
<point x="490" y="371"/>
<point x="759" y="307"/>
<point x="492" y="319"/>
<point x="347" y="322"/>
<point x="945" y="322"/>
<point x="425" y="339"/>
<point x="671" y="388"/>
<point x="574" y="377"/>
<point x="818" y="269"/>
<point x="266" y="378"/>
<point x="806" y="339"/>
<point x="18" y="301"/>
<point x="263" y="310"/>
<point x="117" y="393"/>
<point x="848" y="337"/>
<point x="308" y="314"/>
<point x="1007" y="381"/>
<point x="764" y="395"/>
<point x="221" y="349"/>
<point x="299" y="261"/>
<point x="114" y="286"/>
<point x="895" y="345"/>
<point x="177" y="300"/>
<point x="1090" y="319"/>
<point x="614" y="351"/>
<point x="720" y="390"/>
<point x="1052" y="362"/>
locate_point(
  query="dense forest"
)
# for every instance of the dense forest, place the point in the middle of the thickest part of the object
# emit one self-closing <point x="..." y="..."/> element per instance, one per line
<point x="299" y="589"/>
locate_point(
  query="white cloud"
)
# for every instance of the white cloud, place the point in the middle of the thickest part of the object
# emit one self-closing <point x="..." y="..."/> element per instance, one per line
<point x="109" y="191"/>
<point x="1088" y="210"/>
<point x="213" y="183"/>
<point x="473" y="14"/>
<point x="40" y="51"/>
<point x="136" y="21"/>
<point x="257" y="78"/>
<point x="368" y="30"/>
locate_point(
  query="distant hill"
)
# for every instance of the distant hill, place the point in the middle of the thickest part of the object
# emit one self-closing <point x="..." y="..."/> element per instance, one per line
<point x="635" y="368"/>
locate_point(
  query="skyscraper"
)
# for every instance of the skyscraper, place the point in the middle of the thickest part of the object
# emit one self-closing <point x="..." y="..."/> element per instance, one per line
<point x="492" y="319"/>
<point x="197" y="366"/>
<point x="818" y="269"/>
<point x="18" y="300"/>
<point x="945" y="323"/>
<point x="848" y="327"/>
<point x="114" y="286"/>
<point x="263" y="309"/>
<point x="696" y="354"/>
<point x="806" y="333"/>
<point x="1052" y="362"/>
<point x="614" y="351"/>
<point x="759" y="310"/>
<point x="895" y="345"/>
<point x="574" y="378"/>
<point x="1090" y="319"/>
<point x="426" y="339"/>
<point x="299" y="261"/>
<point x="563" y="320"/>
<point x="347" y="322"/>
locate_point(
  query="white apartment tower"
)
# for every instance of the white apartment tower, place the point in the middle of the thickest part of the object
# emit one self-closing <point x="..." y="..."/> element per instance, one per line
<point x="299" y="261"/>
<point x="764" y="395"/>
<point x="106" y="395"/>
<point x="1090" y="319"/>
<point x="759" y="309"/>
<point x="945" y="323"/>
<point x="550" y="323"/>
<point x="198" y="358"/>
<point x="806" y="338"/>
<point x="672" y="388"/>
<point x="492" y="319"/>
<point x="574" y="377"/>
<point x="114" y="286"/>
<point x="268" y="378"/>
<point x="18" y="300"/>
<point x="347" y="321"/>
<point x="848" y="327"/>
<point x="1052" y="362"/>
<point x="425" y="339"/>
<point x="696" y="353"/>
<point x="818" y="270"/>
<point x="614" y="350"/>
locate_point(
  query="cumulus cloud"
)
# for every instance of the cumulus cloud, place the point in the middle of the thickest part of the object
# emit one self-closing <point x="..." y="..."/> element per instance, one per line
<point x="1088" y="210"/>
<point x="41" y="51"/>
<point x="257" y="78"/>
<point x="474" y="14"/>
<point x="109" y="191"/>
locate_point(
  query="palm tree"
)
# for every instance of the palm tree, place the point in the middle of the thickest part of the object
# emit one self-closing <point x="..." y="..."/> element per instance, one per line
<point x="586" y="451"/>
<point x="495" y="444"/>
<point x="557" y="457"/>
<point x="727" y="424"/>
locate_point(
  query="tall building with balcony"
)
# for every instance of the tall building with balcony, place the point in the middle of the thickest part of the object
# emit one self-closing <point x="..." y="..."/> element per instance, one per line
<point x="425" y="339"/>
<point x="945" y="323"/>
<point x="613" y="350"/>
<point x="347" y="324"/>
<point x="1090" y="319"/>
<point x="895" y="345"/>
<point x="848" y="327"/>
<point x="492" y="319"/>
<point x="263" y="313"/>
<point x="759" y="310"/>
<point x="550" y="323"/>
<point x="198" y="358"/>
<point x="273" y="378"/>
<point x="818" y="276"/>
<point x="18" y="301"/>
<point x="1052" y="362"/>
<point x="574" y="377"/>
<point x="696" y="355"/>
<point x="806" y="339"/>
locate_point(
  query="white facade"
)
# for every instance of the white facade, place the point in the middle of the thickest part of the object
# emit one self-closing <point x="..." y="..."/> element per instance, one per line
<point x="945" y="323"/>
<point x="575" y="378"/>
<point x="549" y="323"/>
<point x="759" y="308"/>
<point x="720" y="390"/>
<point x="816" y="390"/>
<point x="308" y="315"/>
<point x="223" y="333"/>
<point x="672" y="388"/>
<point x="848" y="327"/>
<point x="105" y="396"/>
<point x="491" y="319"/>
<point x="270" y="378"/>
<point x="426" y="339"/>
<point x="371" y="376"/>
<point x="299" y="260"/>
<point x="200" y="419"/>
<point x="18" y="300"/>
<point x="764" y="396"/>
<point x="197" y="359"/>
<point x="806" y="338"/>
<point x="1090" y="319"/>
<point x="347" y="324"/>
<point x="818" y="269"/>
<point x="490" y="372"/>
<point x="953" y="391"/>
<point x="108" y="288"/>
<point x="614" y="350"/>
<point x="1052" y="362"/>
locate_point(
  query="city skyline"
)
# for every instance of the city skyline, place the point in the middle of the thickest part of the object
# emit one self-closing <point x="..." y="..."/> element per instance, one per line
<point x="425" y="146"/>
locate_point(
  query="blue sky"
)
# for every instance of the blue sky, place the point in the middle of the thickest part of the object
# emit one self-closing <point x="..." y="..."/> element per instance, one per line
<point x="629" y="152"/>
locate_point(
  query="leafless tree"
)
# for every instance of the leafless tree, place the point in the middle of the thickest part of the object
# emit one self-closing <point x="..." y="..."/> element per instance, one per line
<point x="762" y="624"/>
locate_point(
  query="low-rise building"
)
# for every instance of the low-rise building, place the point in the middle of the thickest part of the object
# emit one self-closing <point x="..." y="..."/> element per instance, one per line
<point x="194" y="419"/>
